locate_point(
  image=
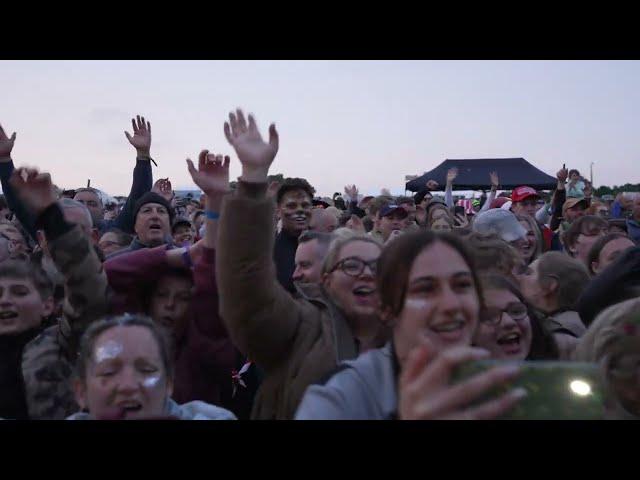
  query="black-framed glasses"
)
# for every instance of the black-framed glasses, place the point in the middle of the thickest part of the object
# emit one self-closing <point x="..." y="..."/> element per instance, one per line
<point x="354" y="266"/>
<point x="493" y="316"/>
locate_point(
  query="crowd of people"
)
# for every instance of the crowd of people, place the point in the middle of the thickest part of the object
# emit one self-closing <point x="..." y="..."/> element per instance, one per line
<point x="260" y="300"/>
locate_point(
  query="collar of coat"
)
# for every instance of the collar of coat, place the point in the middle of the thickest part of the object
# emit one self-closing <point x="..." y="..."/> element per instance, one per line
<point x="347" y="346"/>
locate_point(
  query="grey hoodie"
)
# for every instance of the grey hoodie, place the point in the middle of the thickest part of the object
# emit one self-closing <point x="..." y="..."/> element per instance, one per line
<point x="195" y="410"/>
<point x="361" y="389"/>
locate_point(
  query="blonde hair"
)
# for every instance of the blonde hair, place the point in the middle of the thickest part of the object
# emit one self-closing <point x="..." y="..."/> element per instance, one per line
<point x="533" y="225"/>
<point x="614" y="333"/>
<point x="337" y="245"/>
<point x="609" y="330"/>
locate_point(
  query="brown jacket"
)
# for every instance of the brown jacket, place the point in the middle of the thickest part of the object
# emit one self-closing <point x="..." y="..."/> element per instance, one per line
<point x="295" y="341"/>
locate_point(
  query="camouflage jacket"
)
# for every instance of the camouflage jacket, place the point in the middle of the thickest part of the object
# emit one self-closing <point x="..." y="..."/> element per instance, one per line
<point x="48" y="360"/>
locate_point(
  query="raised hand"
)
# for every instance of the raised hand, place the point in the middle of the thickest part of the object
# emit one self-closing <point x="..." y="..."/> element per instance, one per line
<point x="394" y="234"/>
<point x="461" y="221"/>
<point x="351" y="191"/>
<point x="34" y="189"/>
<point x="562" y="174"/>
<point x="163" y="188"/>
<point x="6" y="144"/>
<point x="254" y="153"/>
<point x="141" y="139"/>
<point x="451" y="175"/>
<point x="212" y="175"/>
<point x="432" y="185"/>
<point x="355" y="224"/>
<point x="273" y="188"/>
<point x="495" y="180"/>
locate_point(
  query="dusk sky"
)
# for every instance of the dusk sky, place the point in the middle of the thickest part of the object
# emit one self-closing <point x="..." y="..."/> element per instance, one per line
<point x="369" y="123"/>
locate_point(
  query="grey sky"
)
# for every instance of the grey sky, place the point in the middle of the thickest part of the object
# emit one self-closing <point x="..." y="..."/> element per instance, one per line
<point x="369" y="123"/>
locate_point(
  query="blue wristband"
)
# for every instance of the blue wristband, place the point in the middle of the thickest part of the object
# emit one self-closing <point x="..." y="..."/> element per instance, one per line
<point x="212" y="215"/>
<point x="186" y="258"/>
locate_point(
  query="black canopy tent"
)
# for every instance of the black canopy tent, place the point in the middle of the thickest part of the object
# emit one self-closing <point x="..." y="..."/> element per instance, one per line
<point x="473" y="174"/>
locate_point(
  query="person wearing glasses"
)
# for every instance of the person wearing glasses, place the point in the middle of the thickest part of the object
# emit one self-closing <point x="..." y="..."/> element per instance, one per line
<point x="431" y="296"/>
<point x="553" y="284"/>
<point x="509" y="328"/>
<point x="293" y="341"/>
<point x="582" y="236"/>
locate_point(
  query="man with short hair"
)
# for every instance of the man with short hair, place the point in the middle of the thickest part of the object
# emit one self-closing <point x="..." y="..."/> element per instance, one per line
<point x="322" y="220"/>
<point x="294" y="205"/>
<point x="312" y="249"/>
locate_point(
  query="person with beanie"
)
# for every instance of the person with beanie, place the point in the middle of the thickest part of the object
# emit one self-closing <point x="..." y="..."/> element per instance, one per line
<point x="141" y="183"/>
<point x="153" y="216"/>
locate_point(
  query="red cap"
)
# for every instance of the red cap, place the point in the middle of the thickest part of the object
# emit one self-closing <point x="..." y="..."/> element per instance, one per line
<point x="520" y="193"/>
<point x="498" y="202"/>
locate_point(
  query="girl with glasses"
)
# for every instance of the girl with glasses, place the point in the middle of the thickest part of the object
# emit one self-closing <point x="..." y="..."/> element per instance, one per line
<point x="508" y="327"/>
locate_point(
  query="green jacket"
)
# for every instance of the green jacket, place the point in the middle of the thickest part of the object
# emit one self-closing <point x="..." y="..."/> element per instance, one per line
<point x="49" y="359"/>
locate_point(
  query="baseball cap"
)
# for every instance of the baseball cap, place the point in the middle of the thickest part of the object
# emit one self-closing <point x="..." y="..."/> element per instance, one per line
<point x="499" y="222"/>
<point x="392" y="208"/>
<point x="572" y="202"/>
<point x="520" y="193"/>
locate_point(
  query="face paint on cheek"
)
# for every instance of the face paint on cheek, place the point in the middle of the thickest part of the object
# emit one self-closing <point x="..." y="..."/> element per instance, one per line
<point x="151" y="382"/>
<point x="416" y="303"/>
<point x="108" y="351"/>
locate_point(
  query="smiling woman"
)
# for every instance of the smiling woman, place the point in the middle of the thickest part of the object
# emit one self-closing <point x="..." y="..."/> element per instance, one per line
<point x="430" y="294"/>
<point x="509" y="327"/>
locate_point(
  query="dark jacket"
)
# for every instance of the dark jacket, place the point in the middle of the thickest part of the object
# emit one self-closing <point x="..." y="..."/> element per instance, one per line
<point x="205" y="356"/>
<point x="618" y="282"/>
<point x="49" y="359"/>
<point x="142" y="183"/>
<point x="13" y="403"/>
<point x="136" y="245"/>
<point x="295" y="341"/>
<point x="284" y="254"/>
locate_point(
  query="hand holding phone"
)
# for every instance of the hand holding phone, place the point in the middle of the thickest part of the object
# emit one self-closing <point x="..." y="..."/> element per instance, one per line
<point x="426" y="393"/>
<point x="555" y="390"/>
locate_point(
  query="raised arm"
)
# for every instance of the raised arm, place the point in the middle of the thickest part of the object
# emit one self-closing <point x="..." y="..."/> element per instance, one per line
<point x="6" y="169"/>
<point x="142" y="174"/>
<point x="495" y="182"/>
<point x="351" y="192"/>
<point x="448" y="193"/>
<point x="558" y="199"/>
<point x="262" y="317"/>
<point x="71" y="250"/>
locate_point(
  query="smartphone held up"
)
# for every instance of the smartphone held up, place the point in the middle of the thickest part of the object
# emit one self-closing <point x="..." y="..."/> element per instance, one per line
<point x="555" y="390"/>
